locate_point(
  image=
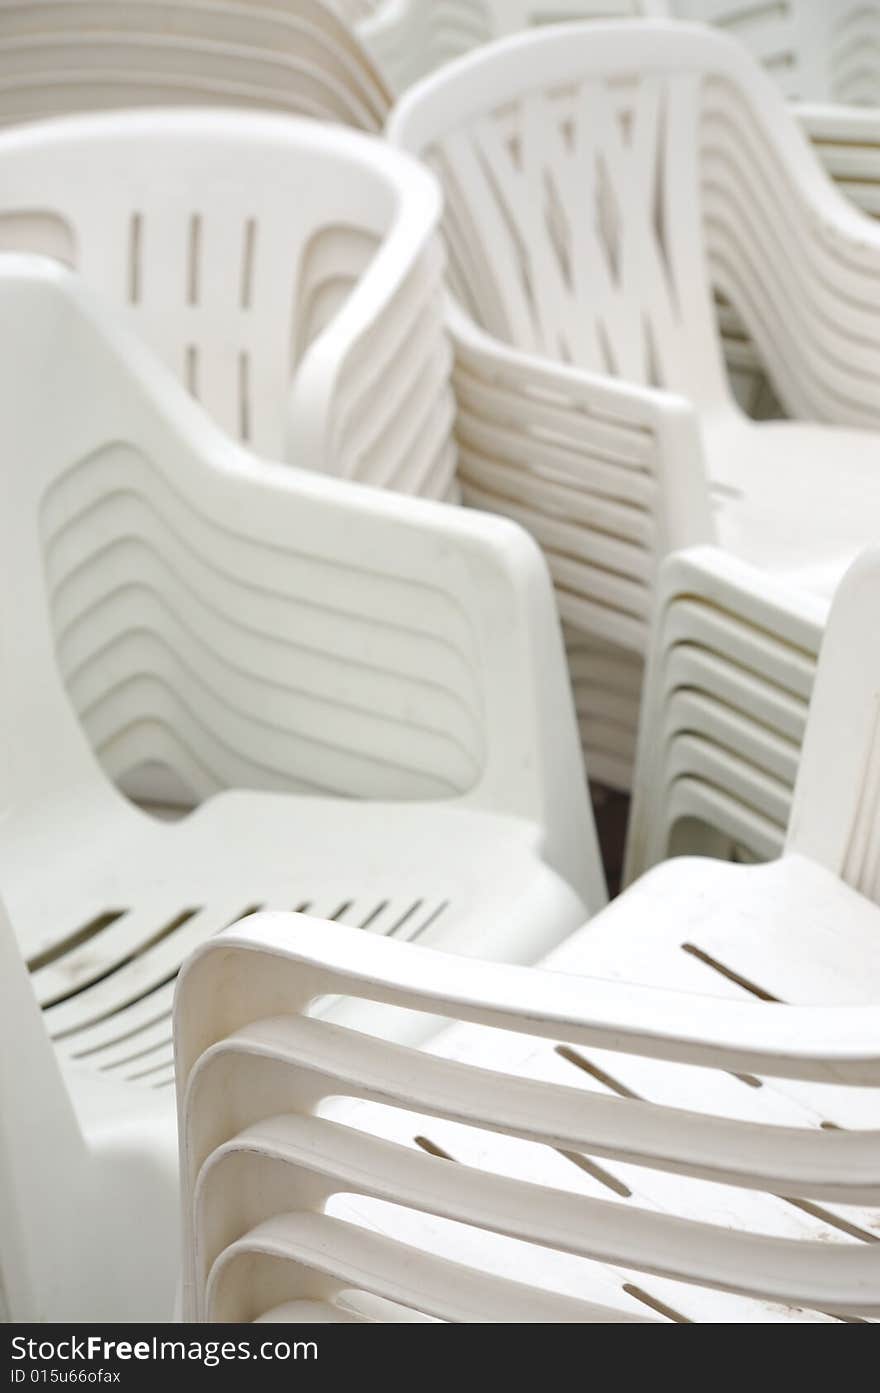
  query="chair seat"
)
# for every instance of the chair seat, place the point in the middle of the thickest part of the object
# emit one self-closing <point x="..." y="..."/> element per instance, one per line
<point x="123" y="921"/>
<point x="797" y="500"/>
<point x="469" y="880"/>
<point x="789" y="931"/>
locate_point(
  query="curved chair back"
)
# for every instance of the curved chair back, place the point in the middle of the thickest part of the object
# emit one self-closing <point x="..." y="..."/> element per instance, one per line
<point x="232" y="242"/>
<point x="601" y="180"/>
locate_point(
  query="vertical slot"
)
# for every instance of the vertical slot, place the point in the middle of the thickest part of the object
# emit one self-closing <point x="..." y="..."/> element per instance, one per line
<point x="193" y="259"/>
<point x="135" y="244"/>
<point x="244" y="402"/>
<point x="247" y="263"/>
<point x="191" y="370"/>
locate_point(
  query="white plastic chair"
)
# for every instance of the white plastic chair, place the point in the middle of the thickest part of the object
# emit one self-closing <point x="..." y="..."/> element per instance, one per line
<point x="619" y="173"/>
<point x="730" y="672"/>
<point x="61" y="56"/>
<point x="299" y="301"/>
<point x="679" y="1120"/>
<point x="286" y="271"/>
<point x="820" y="53"/>
<point x="370" y="688"/>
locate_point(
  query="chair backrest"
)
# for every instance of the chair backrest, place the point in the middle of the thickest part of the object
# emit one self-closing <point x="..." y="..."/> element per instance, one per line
<point x="299" y="56"/>
<point x="815" y="50"/>
<point x="301" y="1138"/>
<point x="231" y="242"/>
<point x="171" y="600"/>
<point x="570" y="163"/>
<point x="602" y="179"/>
<point x="835" y="816"/>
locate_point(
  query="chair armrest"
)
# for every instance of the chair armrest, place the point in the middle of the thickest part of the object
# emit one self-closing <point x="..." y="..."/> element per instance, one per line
<point x="251" y="1062"/>
<point x="710" y="576"/>
<point x="289" y="961"/>
<point x="798" y="261"/>
<point x="834" y="811"/>
<point x="472" y="609"/>
<point x="609" y="438"/>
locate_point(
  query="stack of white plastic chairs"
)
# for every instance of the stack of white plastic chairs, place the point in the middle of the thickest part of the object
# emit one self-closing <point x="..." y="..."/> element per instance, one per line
<point x="352" y="702"/>
<point x="676" y="1122"/>
<point x="310" y="331"/>
<point x="727" y="690"/>
<point x="725" y="701"/>
<point x="600" y="182"/>
<point x="365" y="694"/>
<point x="733" y="655"/>
<point x="358" y="699"/>
<point x="824" y="56"/>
